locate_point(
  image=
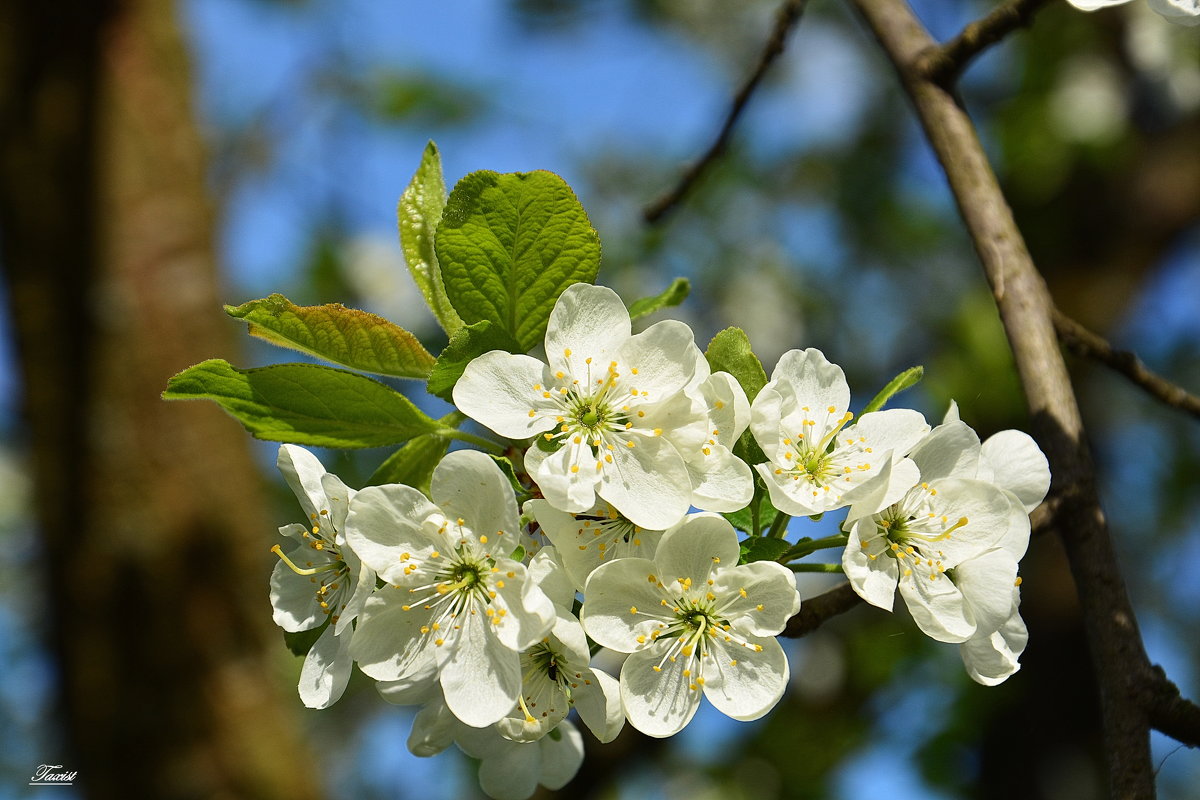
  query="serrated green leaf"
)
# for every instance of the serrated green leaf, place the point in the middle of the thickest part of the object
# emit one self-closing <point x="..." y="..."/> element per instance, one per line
<point x="762" y="548"/>
<point x="905" y="380"/>
<point x="673" y="295"/>
<point x="300" y="642"/>
<point x="346" y="336"/>
<point x="413" y="464"/>
<point x="418" y="213"/>
<point x="470" y="342"/>
<point x="508" y="246"/>
<point x="729" y="351"/>
<point x="304" y="403"/>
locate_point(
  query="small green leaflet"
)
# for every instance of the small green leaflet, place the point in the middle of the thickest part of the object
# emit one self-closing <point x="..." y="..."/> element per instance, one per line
<point x="469" y="343"/>
<point x="418" y="214"/>
<point x="304" y="403"/>
<point x="673" y="295"/>
<point x="905" y="380"/>
<point x="413" y="464"/>
<point x="509" y="244"/>
<point x="729" y="351"/>
<point x="345" y="336"/>
<point x="762" y="548"/>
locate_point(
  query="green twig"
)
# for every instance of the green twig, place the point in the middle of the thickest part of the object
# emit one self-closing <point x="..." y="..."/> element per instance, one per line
<point x="829" y="568"/>
<point x="803" y="548"/>
<point x="779" y="525"/>
<point x="463" y="436"/>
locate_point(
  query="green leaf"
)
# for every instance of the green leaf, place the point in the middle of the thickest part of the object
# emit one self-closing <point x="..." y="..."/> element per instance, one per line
<point x="346" y="336"/>
<point x="509" y="245"/>
<point x="413" y="464"/>
<point x="300" y="642"/>
<point x="304" y="403"/>
<point x="468" y="343"/>
<point x="762" y="548"/>
<point x="729" y="351"/>
<point x="419" y="212"/>
<point x="510" y="472"/>
<point x="905" y="380"/>
<point x="673" y="295"/>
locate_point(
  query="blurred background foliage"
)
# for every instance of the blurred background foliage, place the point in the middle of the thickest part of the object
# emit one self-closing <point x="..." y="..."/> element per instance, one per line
<point x="827" y="224"/>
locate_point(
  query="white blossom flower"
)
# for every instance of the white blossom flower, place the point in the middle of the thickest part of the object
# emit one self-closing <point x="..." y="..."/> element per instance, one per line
<point x="933" y="529"/>
<point x="456" y="605"/>
<point x="817" y="462"/>
<point x="319" y="580"/>
<point x="556" y="671"/>
<point x="1181" y="12"/>
<point x="508" y="770"/>
<point x="586" y="540"/>
<point x="694" y="622"/>
<point x="608" y="411"/>
<point x="511" y="770"/>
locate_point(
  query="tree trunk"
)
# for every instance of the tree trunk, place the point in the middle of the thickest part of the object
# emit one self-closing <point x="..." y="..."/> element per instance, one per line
<point x="153" y="516"/>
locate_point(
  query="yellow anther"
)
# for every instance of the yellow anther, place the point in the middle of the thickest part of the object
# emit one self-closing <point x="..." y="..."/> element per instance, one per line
<point x="633" y="609"/>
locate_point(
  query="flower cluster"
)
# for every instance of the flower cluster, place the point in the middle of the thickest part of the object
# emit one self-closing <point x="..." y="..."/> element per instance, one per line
<point x="487" y="614"/>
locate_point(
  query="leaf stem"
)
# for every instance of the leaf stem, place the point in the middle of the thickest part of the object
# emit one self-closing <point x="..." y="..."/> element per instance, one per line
<point x="755" y="520"/>
<point x="803" y="548"/>
<point x="827" y="568"/>
<point x="463" y="436"/>
<point x="779" y="525"/>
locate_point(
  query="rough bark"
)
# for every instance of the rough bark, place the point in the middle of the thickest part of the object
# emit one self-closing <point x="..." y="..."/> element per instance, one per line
<point x="155" y="536"/>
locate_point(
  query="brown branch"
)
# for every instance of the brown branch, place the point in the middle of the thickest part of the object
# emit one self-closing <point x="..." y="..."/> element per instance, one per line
<point x="785" y="21"/>
<point x="816" y="610"/>
<point x="942" y="64"/>
<point x="1082" y="342"/>
<point x="1115" y="644"/>
<point x="1171" y="713"/>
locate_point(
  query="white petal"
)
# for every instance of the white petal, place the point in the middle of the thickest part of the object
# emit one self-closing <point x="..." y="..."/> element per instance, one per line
<point x="951" y="450"/>
<point x="496" y="390"/>
<point x="546" y="569"/>
<point x="326" y="670"/>
<point x="648" y="483"/>
<point x="591" y="322"/>
<point x="662" y="356"/>
<point x="388" y="644"/>
<point x="896" y="429"/>
<point x="766" y="414"/>
<point x="303" y="471"/>
<point x="294" y="597"/>
<point x="720" y="480"/>
<point x="433" y="729"/>
<point x="565" y="488"/>
<point x="881" y="490"/>
<point x="951" y="413"/>
<point x="480" y="677"/>
<point x="599" y="705"/>
<point x="622" y="603"/>
<point x="702" y="543"/>
<point x="757" y="598"/>
<point x="338" y="495"/>
<point x="658" y="704"/>
<point x="1018" y="466"/>
<point x="991" y="659"/>
<point x="385" y="522"/>
<point x="1181" y="12"/>
<point x="874" y="580"/>
<point x="364" y="583"/>
<point x="728" y="407"/>
<point x="816" y="381"/>
<point x="787" y="495"/>
<point x="938" y="608"/>
<point x="416" y="690"/>
<point x="986" y="510"/>
<point x="467" y="484"/>
<point x="746" y="684"/>
<point x="987" y="583"/>
<point x="510" y="772"/>
<point x="1092" y="5"/>
<point x="561" y="756"/>
<point x="530" y="614"/>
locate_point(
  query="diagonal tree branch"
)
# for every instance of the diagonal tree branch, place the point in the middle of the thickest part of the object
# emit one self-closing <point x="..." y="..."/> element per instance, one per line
<point x="1115" y="643"/>
<point x="942" y="64"/>
<point x="786" y="20"/>
<point x="1082" y="342"/>
<point x="815" y="611"/>
<point x="1171" y="713"/>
